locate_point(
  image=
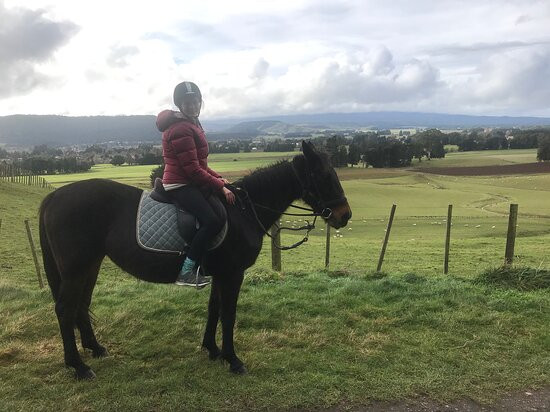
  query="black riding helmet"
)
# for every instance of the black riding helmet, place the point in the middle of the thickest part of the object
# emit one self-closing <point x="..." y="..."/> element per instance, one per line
<point x="184" y="91"/>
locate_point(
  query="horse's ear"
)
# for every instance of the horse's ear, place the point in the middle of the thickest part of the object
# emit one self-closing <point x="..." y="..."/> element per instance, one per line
<point x="308" y="149"/>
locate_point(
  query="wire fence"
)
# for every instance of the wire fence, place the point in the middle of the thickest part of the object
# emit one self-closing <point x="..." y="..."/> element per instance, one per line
<point x="15" y="174"/>
<point x="441" y="244"/>
<point x="436" y="243"/>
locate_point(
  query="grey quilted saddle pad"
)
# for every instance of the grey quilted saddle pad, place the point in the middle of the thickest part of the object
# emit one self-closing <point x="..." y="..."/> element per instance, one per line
<point x="157" y="227"/>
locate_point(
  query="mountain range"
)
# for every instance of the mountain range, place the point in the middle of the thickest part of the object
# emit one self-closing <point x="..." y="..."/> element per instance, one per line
<point x="27" y="130"/>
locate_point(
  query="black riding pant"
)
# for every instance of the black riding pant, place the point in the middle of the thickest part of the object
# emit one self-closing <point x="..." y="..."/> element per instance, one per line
<point x="191" y="199"/>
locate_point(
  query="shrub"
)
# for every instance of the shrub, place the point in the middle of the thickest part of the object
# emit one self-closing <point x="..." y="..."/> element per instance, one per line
<point x="118" y="160"/>
<point x="156" y="172"/>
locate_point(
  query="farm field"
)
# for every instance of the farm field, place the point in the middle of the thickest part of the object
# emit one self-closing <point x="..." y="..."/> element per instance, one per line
<point x="311" y="338"/>
<point x="139" y="175"/>
<point x="482" y="158"/>
<point x="235" y="165"/>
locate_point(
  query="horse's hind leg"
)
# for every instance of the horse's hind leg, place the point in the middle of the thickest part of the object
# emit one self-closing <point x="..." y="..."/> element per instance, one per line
<point x="83" y="322"/>
<point x="209" y="339"/>
<point x="66" y="309"/>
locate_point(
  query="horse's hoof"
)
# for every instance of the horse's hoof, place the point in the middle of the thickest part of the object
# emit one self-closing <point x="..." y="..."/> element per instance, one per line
<point x="238" y="369"/>
<point x="85" y="375"/>
<point x="100" y="352"/>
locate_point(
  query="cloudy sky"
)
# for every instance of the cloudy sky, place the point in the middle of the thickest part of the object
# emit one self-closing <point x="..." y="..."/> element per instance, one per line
<point x="257" y="58"/>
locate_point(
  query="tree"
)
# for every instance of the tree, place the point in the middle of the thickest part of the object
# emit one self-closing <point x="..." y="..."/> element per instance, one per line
<point x="118" y="160"/>
<point x="149" y="159"/>
<point x="528" y="139"/>
<point x="496" y="140"/>
<point x="543" y="153"/>
<point x="431" y="141"/>
<point x="470" y="142"/>
<point x="341" y="159"/>
<point x="336" y="149"/>
<point x="354" y="154"/>
<point x="437" y="150"/>
<point x="417" y="150"/>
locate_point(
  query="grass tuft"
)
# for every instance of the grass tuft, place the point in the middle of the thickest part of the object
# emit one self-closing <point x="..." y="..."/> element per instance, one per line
<point x="375" y="275"/>
<point x="259" y="275"/>
<point x="510" y="277"/>
<point x="413" y="278"/>
<point x="341" y="273"/>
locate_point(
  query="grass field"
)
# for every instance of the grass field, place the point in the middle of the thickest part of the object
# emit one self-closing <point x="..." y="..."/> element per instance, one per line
<point x="482" y="158"/>
<point x="311" y="338"/>
<point x="232" y="163"/>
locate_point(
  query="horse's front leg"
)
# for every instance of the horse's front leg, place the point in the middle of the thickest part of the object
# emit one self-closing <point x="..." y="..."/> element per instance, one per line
<point x="209" y="339"/>
<point x="229" y="288"/>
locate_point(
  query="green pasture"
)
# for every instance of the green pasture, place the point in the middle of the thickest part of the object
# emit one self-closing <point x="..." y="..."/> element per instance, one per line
<point x="310" y="337"/>
<point x="239" y="164"/>
<point x="139" y="175"/>
<point x="482" y="158"/>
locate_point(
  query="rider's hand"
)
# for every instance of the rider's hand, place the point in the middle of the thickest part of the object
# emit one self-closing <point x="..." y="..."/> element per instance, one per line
<point x="225" y="181"/>
<point x="229" y="196"/>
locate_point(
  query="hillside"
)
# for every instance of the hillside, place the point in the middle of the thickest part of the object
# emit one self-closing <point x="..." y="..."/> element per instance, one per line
<point x="64" y="130"/>
<point x="30" y="130"/>
<point x="398" y="334"/>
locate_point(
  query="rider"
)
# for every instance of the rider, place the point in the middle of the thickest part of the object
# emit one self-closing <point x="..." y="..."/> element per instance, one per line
<point x="187" y="177"/>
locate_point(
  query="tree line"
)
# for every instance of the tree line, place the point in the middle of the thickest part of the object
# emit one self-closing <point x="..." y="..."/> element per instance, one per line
<point x="378" y="149"/>
<point x="370" y="149"/>
<point x="45" y="160"/>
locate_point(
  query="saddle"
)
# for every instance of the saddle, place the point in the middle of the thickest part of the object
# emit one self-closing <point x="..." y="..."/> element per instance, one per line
<point x="162" y="226"/>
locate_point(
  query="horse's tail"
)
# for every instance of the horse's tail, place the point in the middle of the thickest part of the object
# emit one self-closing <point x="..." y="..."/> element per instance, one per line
<point x="50" y="265"/>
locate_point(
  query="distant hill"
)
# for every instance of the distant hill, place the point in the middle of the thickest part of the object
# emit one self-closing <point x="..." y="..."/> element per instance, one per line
<point x="385" y="120"/>
<point x="62" y="130"/>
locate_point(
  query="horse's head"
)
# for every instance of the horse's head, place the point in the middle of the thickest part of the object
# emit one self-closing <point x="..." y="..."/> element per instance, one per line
<point x="321" y="188"/>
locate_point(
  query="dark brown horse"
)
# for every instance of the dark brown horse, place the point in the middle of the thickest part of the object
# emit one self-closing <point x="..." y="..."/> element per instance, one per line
<point x="83" y="222"/>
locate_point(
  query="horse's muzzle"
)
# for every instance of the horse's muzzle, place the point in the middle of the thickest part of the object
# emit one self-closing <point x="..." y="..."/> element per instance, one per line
<point x="340" y="216"/>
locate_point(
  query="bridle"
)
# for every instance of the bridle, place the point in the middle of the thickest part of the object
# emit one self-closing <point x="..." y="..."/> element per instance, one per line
<point x="309" y="189"/>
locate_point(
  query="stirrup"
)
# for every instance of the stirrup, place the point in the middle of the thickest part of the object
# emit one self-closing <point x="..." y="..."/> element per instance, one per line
<point x="192" y="279"/>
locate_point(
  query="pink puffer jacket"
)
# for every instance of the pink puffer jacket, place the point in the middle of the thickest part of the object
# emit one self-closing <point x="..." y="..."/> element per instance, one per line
<point x="185" y="152"/>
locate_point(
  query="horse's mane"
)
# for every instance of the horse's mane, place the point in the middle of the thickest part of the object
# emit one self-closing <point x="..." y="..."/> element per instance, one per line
<point x="266" y="179"/>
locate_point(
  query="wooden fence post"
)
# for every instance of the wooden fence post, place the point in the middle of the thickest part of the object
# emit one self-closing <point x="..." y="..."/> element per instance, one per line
<point x="327" y="248"/>
<point x="448" y="239"/>
<point x="511" y="236"/>
<point x="33" y="250"/>
<point x="275" y="252"/>
<point x="386" y="238"/>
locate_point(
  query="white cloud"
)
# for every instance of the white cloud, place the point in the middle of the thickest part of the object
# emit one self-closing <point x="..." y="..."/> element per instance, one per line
<point x="28" y="38"/>
<point x="260" y="69"/>
<point x="273" y="57"/>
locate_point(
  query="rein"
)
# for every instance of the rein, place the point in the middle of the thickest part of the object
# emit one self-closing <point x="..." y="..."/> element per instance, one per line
<point x="326" y="211"/>
<point x="308" y="226"/>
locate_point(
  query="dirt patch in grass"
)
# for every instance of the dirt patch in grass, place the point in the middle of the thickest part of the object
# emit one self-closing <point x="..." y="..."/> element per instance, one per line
<point x="515" y="169"/>
<point x="527" y="400"/>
